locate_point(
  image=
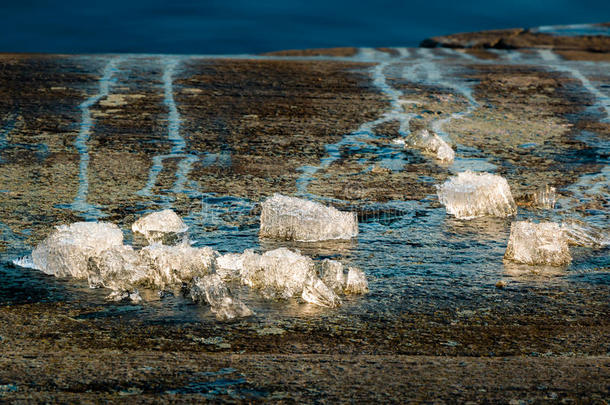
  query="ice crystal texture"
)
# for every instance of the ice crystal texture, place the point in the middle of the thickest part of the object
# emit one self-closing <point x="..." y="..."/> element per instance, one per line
<point x="161" y="226"/>
<point x="67" y="250"/>
<point x="212" y="290"/>
<point x="429" y="142"/>
<point x="290" y="218"/>
<point x="332" y="274"/>
<point x="229" y="266"/>
<point x="118" y="268"/>
<point x="582" y="234"/>
<point x="174" y="265"/>
<point x="545" y="198"/>
<point x="356" y="282"/>
<point x="471" y="195"/>
<point x="317" y="293"/>
<point x="542" y="243"/>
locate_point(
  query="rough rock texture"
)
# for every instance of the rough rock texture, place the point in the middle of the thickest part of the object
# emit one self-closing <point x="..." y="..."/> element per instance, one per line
<point x="537" y="244"/>
<point x="291" y="218"/>
<point x="471" y="195"/>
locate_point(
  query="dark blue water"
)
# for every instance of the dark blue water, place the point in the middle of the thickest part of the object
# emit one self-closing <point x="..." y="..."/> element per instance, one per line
<point x="240" y="26"/>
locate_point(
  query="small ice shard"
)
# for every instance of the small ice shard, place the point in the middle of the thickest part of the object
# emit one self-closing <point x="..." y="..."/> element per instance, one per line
<point x="123" y="295"/>
<point x="117" y="268"/>
<point x="317" y="293"/>
<point x="542" y="243"/>
<point x="545" y="198"/>
<point x="278" y="274"/>
<point x="290" y="218"/>
<point x="160" y="227"/>
<point x="429" y="142"/>
<point x="67" y="250"/>
<point x="174" y="265"/>
<point x="212" y="290"/>
<point x="471" y="195"/>
<point x="356" y="282"/>
<point x="332" y="274"/>
<point x="229" y="266"/>
<point x="582" y="234"/>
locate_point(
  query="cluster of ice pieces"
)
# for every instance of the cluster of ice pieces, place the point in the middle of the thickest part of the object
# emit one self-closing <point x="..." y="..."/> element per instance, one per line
<point x="471" y="195"/>
<point x="547" y="243"/>
<point x="291" y="218"/>
<point x="429" y="142"/>
<point x="95" y="251"/>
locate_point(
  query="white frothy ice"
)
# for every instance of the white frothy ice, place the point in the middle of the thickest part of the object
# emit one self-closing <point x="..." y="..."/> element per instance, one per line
<point x="291" y="218"/>
<point x="471" y="195"/>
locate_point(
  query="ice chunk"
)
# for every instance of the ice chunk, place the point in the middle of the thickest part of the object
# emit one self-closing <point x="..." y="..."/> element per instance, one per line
<point x="67" y="250"/>
<point x="118" y="268"/>
<point x="332" y="274"/>
<point x="429" y="142"/>
<point x="536" y="244"/>
<point x="291" y="218"/>
<point x="278" y="274"/>
<point x="229" y="266"/>
<point x="471" y="195"/>
<point x="356" y="282"/>
<point x="123" y="295"/>
<point x="212" y="290"/>
<point x="318" y="293"/>
<point x="173" y="265"/>
<point x="545" y="198"/>
<point x="161" y="226"/>
<point x="582" y="234"/>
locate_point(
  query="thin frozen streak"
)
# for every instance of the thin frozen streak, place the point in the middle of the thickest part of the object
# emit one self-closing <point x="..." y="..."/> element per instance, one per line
<point x="80" y="203"/>
<point x="178" y="143"/>
<point x="551" y="58"/>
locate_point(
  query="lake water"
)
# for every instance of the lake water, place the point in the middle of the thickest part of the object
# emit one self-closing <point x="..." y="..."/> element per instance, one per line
<point x="234" y="27"/>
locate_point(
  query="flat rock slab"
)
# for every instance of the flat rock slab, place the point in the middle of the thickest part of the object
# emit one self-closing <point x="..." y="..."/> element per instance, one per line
<point x="113" y="137"/>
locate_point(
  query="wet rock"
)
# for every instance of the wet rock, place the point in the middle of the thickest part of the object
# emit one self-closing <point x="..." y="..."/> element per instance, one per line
<point x="471" y="195"/>
<point x="67" y="250"/>
<point x="430" y="143"/>
<point x="212" y="290"/>
<point x="174" y="265"/>
<point x="290" y="218"/>
<point x="537" y="244"/>
<point x="160" y="227"/>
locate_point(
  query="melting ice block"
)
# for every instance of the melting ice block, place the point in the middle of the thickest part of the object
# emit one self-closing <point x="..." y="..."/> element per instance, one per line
<point x="118" y="268"/>
<point x="229" y="266"/>
<point x="291" y="218"/>
<point x="212" y="290"/>
<point x="544" y="243"/>
<point x="582" y="234"/>
<point x="317" y="293"/>
<point x="471" y="195"/>
<point x="174" y="265"/>
<point x="430" y="143"/>
<point x="67" y="250"/>
<point x="356" y="282"/>
<point x="333" y="274"/>
<point x="161" y="226"/>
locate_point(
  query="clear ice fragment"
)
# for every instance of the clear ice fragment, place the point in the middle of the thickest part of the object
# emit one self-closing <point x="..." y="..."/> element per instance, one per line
<point x="160" y="227"/>
<point x="278" y="274"/>
<point x="229" y="266"/>
<point x="117" y="268"/>
<point x="545" y="198"/>
<point x="66" y="251"/>
<point x="580" y="233"/>
<point x="212" y="290"/>
<point x="542" y="243"/>
<point x="332" y="274"/>
<point x="174" y="265"/>
<point x="471" y="195"/>
<point x="318" y="293"/>
<point x="291" y="218"/>
<point x="356" y="282"/>
<point x="430" y="143"/>
<point x="124" y="295"/>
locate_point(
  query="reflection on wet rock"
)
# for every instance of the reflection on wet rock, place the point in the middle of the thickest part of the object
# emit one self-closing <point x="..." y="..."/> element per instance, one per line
<point x="162" y="226"/>
<point x="537" y="244"/>
<point x="291" y="218"/>
<point x="471" y="195"/>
